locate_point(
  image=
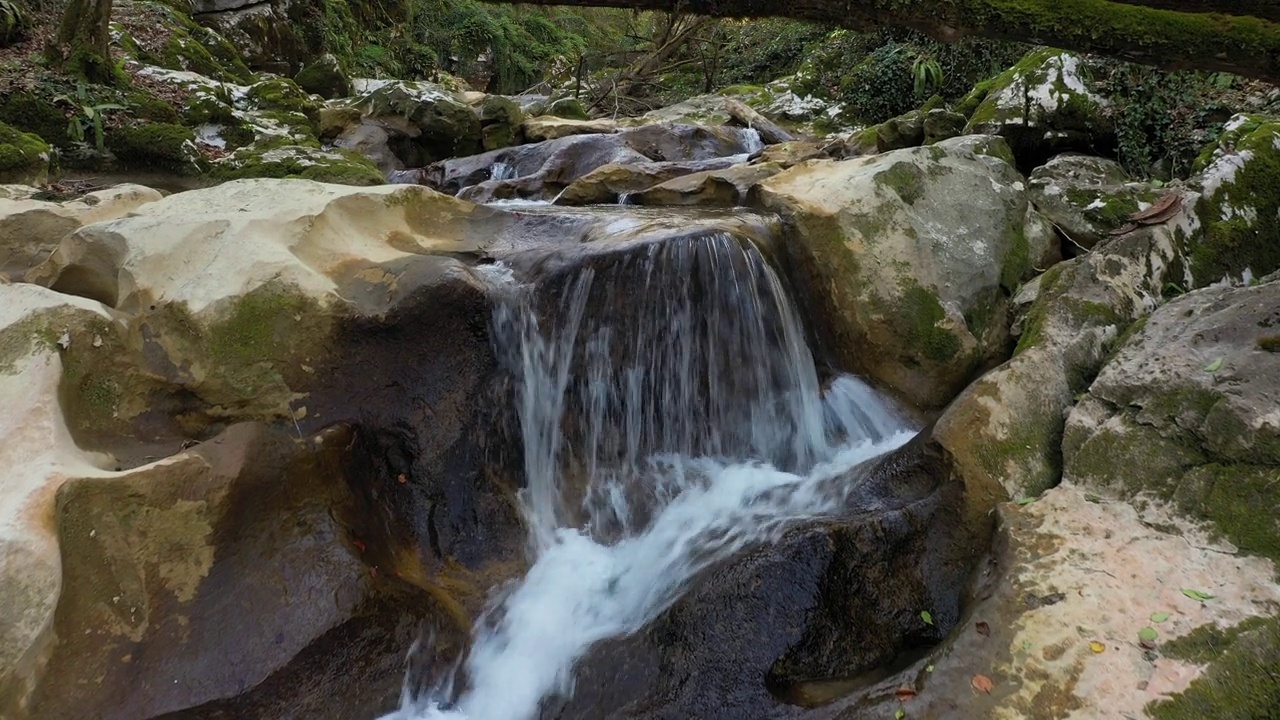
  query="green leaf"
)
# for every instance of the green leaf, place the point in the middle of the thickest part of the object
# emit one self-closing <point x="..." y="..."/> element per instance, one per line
<point x="1213" y="366"/>
<point x="1026" y="645"/>
<point x="1148" y="634"/>
<point x="1196" y="595"/>
<point x="927" y="616"/>
<point x="900" y="714"/>
<point x="1026" y="500"/>
<point x="928" y="668"/>
<point x="1159" y="617"/>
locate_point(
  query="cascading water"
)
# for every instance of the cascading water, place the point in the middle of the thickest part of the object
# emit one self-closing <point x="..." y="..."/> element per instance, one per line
<point x="671" y="415"/>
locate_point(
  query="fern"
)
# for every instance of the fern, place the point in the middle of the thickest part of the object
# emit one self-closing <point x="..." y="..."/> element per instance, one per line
<point x="14" y="22"/>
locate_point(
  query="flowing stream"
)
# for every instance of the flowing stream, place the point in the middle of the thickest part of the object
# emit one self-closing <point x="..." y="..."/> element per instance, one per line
<point x="671" y="415"/>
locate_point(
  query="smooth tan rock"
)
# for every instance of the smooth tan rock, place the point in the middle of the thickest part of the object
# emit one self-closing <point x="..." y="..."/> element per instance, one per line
<point x="712" y="188"/>
<point x="547" y="127"/>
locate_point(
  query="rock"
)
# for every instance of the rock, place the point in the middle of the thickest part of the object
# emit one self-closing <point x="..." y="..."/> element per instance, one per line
<point x="607" y="183"/>
<point x="372" y="142"/>
<point x="1188" y="408"/>
<point x="165" y="36"/>
<point x="1238" y="207"/>
<point x="1043" y="106"/>
<point x="24" y="158"/>
<point x="324" y="77"/>
<point x="770" y="132"/>
<point x="164" y="147"/>
<point x="568" y="108"/>
<point x="753" y="634"/>
<point x="31" y="229"/>
<point x="711" y="188"/>
<point x="38" y="454"/>
<point x="266" y="34"/>
<point x="903" y="131"/>
<point x="941" y="124"/>
<point x="1005" y="430"/>
<point x="333" y="121"/>
<point x="299" y="161"/>
<point x="500" y="120"/>
<point x="546" y="127"/>
<point x="792" y="153"/>
<point x="1072" y="569"/>
<point x="1087" y="198"/>
<point x="431" y="123"/>
<point x="906" y="299"/>
<point x="282" y="95"/>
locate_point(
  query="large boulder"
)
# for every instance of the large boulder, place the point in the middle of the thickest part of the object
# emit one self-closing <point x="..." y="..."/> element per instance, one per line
<point x="324" y="77"/>
<point x="24" y="157"/>
<point x="500" y="119"/>
<point x="30" y="229"/>
<point x="610" y="183"/>
<point x="1188" y="408"/>
<point x="1238" y="204"/>
<point x="547" y="127"/>
<point x="1043" y="105"/>
<point x="429" y="121"/>
<point x="915" y="252"/>
<point x="1087" y="198"/>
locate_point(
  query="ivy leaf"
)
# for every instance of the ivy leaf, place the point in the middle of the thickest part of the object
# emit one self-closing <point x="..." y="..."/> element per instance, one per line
<point x="1196" y="595"/>
<point x="1213" y="366"/>
<point x="1159" y="617"/>
<point x="927" y="616"/>
<point x="1148" y="634"/>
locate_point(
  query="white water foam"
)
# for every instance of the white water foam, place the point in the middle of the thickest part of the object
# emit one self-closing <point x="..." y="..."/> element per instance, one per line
<point x="677" y="478"/>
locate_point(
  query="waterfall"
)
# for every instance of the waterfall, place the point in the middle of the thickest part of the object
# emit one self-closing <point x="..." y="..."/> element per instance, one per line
<point x="671" y="415"/>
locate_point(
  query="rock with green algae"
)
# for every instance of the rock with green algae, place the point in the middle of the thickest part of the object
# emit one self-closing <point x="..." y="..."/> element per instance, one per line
<point x="918" y="250"/>
<point x="435" y="122"/>
<point x="500" y="119"/>
<point x="156" y="146"/>
<point x="282" y="95"/>
<point x="1187" y="407"/>
<point x="1087" y="198"/>
<point x="1239" y="206"/>
<point x="568" y="108"/>
<point x="164" y="35"/>
<point x="297" y="161"/>
<point x="24" y="157"/>
<point x="1044" y="105"/>
<point x="325" y="77"/>
<point x="1005" y="430"/>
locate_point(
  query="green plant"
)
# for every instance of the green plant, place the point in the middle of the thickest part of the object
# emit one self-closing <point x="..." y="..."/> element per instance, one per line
<point x="89" y="115"/>
<point x="927" y="73"/>
<point x="14" y="22"/>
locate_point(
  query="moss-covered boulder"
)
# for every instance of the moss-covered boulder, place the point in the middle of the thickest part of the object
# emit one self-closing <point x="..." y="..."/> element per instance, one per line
<point x="164" y="35"/>
<point x="156" y="146"/>
<point x="1044" y="105"/>
<point x="24" y="157"/>
<point x="1238" y="176"/>
<point x="500" y="119"/>
<point x="1005" y="429"/>
<point x="942" y="124"/>
<point x="568" y="108"/>
<point x="297" y="161"/>
<point x="282" y="95"/>
<point x="324" y="77"/>
<point x="433" y="122"/>
<point x="912" y="255"/>
<point x="1187" y="406"/>
<point x="1087" y="197"/>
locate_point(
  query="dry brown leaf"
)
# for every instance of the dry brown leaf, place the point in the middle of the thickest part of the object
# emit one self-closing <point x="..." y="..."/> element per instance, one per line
<point x="982" y="683"/>
<point x="1160" y="211"/>
<point x="983" y="629"/>
<point x="906" y="692"/>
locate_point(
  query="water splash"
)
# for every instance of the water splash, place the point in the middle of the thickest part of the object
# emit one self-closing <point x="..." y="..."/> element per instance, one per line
<point x="671" y="415"/>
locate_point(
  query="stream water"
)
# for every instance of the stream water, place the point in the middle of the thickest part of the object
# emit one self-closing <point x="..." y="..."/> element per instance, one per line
<point x="671" y="415"/>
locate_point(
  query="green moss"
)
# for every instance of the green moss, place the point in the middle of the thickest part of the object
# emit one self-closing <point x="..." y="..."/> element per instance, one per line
<point x="21" y="153"/>
<point x="1017" y="263"/>
<point x="904" y="178"/>
<point x="190" y="46"/>
<point x="31" y="113"/>
<point x="1114" y="211"/>
<point x="146" y="106"/>
<point x="283" y="95"/>
<point x="1053" y="283"/>
<point x="568" y="108"/>
<point x="325" y="78"/>
<point x="205" y="109"/>
<point x="164" y="146"/>
<point x="1241" y="683"/>
<point x="1240" y="501"/>
<point x="1237" y="232"/>
<point x="295" y="161"/>
<point x="918" y="315"/>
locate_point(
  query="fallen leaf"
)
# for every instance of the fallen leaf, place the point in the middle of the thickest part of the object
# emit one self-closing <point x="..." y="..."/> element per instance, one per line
<point x="1097" y="647"/>
<point x="982" y="683"/>
<point x="1196" y="595"/>
<point x="983" y="629"/>
<point x="900" y="714"/>
<point x="1026" y="501"/>
<point x="1213" y="366"/>
<point x="927" y="617"/>
<point x="1148" y="634"/>
<point x="906" y="692"/>
<point x="1160" y="211"/>
<point x="1159" y="617"/>
<point x="928" y="668"/>
<point x="402" y="479"/>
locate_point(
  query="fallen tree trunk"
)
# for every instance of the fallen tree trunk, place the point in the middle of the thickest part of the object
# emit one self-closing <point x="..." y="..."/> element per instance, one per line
<point x="1173" y="34"/>
<point x="770" y="133"/>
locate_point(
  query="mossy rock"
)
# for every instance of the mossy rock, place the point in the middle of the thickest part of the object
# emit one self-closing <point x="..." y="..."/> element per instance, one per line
<point x="324" y="77"/>
<point x="283" y="95"/>
<point x="942" y="124"/>
<point x="1087" y="198"/>
<point x="187" y="45"/>
<point x="34" y="113"/>
<point x="294" y="161"/>
<point x="336" y="120"/>
<point x="205" y="108"/>
<point x="500" y="120"/>
<point x="1239" y="176"/>
<point x="1241" y="681"/>
<point x="568" y="108"/>
<point x="447" y="126"/>
<point x="1043" y="105"/>
<point x="24" y="157"/>
<point x="155" y="146"/>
